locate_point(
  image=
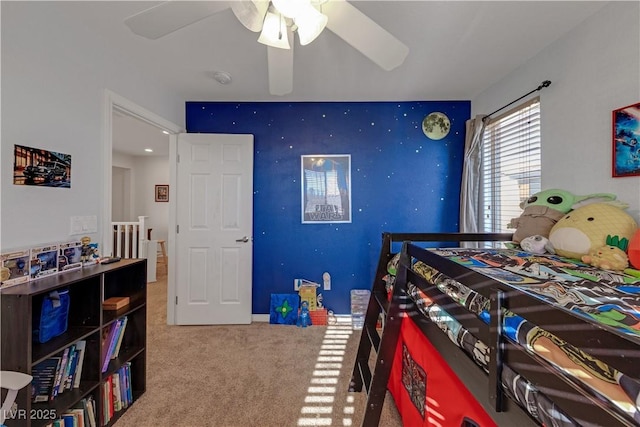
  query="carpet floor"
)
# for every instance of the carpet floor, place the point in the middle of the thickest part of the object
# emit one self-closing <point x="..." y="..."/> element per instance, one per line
<point x="247" y="375"/>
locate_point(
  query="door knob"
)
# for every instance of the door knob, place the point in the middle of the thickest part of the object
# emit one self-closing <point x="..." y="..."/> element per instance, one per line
<point x="245" y="239"/>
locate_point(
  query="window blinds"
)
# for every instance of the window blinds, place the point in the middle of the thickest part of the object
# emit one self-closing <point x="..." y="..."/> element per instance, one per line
<point x="511" y="165"/>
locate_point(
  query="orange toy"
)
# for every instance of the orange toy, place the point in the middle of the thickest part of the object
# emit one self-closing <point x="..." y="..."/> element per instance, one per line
<point x="633" y="251"/>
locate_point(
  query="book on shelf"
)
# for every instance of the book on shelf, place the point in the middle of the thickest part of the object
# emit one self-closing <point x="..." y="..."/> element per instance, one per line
<point x="117" y="397"/>
<point x="91" y="411"/>
<point x="123" y="387"/>
<point x="77" y="376"/>
<point x="105" y="401"/>
<point x="60" y="372"/>
<point x="108" y="390"/>
<point x="69" y="420"/>
<point x="66" y="371"/>
<point x="44" y="376"/>
<point x="116" y="350"/>
<point x="74" y="416"/>
<point x="109" y="342"/>
<point x="73" y="364"/>
<point x="129" y="383"/>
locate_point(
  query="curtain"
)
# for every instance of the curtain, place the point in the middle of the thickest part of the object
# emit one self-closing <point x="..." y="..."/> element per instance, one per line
<point x="470" y="186"/>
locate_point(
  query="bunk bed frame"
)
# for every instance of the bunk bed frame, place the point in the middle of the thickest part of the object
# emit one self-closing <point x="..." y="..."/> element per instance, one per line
<point x="606" y="344"/>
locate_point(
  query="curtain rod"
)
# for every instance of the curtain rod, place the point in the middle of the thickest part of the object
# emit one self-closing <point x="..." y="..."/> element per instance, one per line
<point x="544" y="84"/>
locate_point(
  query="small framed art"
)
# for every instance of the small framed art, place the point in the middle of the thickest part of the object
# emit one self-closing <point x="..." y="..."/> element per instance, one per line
<point x="626" y="141"/>
<point x="162" y="193"/>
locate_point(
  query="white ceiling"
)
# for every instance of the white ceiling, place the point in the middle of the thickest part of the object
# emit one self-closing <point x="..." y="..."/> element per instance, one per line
<point x="457" y="49"/>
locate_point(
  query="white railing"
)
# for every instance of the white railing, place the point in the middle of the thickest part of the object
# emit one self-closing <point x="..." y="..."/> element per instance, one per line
<point x="128" y="238"/>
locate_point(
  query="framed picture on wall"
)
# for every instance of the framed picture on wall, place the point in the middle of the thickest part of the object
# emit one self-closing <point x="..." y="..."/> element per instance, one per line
<point x="162" y="193"/>
<point x="626" y="141"/>
<point x="326" y="188"/>
<point x="44" y="168"/>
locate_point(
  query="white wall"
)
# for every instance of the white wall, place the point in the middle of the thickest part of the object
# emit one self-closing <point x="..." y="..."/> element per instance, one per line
<point x="120" y="193"/>
<point x="148" y="172"/>
<point x="594" y="69"/>
<point x="123" y="193"/>
<point x="54" y="73"/>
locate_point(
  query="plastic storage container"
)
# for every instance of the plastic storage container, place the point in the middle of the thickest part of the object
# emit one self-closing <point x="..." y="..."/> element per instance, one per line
<point x="359" y="304"/>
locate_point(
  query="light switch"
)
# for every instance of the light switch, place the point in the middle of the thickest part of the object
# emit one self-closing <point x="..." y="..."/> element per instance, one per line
<point x="84" y="224"/>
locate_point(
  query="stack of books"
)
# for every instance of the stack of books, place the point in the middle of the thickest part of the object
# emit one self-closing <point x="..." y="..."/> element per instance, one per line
<point x="82" y="416"/>
<point x="54" y="375"/>
<point x="117" y="392"/>
<point x="112" y="341"/>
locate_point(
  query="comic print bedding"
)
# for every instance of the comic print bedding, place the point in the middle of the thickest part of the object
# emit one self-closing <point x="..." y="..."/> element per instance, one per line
<point x="611" y="298"/>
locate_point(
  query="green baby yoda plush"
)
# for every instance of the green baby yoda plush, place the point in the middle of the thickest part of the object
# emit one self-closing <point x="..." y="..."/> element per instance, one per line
<point x="543" y="209"/>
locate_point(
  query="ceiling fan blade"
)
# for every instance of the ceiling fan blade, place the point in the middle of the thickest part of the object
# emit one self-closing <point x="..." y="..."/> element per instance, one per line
<point x="280" y="62"/>
<point x="250" y="13"/>
<point x="170" y="16"/>
<point x="361" y="32"/>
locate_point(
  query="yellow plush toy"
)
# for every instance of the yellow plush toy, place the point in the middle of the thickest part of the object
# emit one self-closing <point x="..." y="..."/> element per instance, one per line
<point x="608" y="258"/>
<point x="585" y="229"/>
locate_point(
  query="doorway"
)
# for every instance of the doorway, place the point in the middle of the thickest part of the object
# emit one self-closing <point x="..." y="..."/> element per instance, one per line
<point x="117" y="107"/>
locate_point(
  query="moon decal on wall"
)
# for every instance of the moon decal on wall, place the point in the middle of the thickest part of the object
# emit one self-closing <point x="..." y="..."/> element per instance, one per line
<point x="436" y="125"/>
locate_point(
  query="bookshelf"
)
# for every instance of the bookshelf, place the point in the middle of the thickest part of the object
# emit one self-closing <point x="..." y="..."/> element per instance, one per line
<point x="88" y="324"/>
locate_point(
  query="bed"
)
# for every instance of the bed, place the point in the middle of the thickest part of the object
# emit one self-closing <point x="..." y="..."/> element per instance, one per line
<point x="497" y="336"/>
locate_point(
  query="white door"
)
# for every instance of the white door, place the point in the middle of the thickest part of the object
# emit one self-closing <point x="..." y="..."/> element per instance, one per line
<point x="214" y="242"/>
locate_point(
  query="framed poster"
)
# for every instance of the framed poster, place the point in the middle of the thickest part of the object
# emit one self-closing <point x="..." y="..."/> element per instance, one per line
<point x="162" y="193"/>
<point x="37" y="166"/>
<point x="326" y="188"/>
<point x="626" y="141"/>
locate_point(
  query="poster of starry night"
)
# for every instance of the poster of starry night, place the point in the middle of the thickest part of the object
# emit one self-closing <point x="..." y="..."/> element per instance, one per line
<point x="326" y="193"/>
<point x="626" y="141"/>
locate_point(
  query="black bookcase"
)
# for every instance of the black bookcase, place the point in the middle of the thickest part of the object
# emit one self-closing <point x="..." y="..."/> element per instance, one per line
<point x="88" y="288"/>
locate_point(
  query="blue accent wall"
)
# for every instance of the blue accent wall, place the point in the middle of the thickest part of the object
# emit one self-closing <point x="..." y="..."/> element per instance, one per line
<point x="401" y="181"/>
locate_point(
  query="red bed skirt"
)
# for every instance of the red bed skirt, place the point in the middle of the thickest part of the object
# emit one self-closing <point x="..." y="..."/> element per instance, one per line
<point x="425" y="389"/>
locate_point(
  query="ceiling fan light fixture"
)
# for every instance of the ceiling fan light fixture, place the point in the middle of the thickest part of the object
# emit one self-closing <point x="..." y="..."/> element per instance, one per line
<point x="274" y="31"/>
<point x="291" y="8"/>
<point x="310" y="24"/>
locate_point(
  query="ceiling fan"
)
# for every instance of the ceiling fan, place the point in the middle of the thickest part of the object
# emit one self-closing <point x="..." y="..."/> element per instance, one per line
<point x="277" y="21"/>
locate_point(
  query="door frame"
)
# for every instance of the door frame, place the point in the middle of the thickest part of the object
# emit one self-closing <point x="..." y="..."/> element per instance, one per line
<point x="113" y="101"/>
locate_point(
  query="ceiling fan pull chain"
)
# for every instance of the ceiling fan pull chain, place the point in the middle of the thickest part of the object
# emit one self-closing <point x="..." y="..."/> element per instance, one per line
<point x="280" y="27"/>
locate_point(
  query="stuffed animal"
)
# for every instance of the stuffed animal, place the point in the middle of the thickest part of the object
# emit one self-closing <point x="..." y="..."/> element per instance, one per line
<point x="585" y="229"/>
<point x="608" y="258"/>
<point x="543" y="210"/>
<point x="537" y="245"/>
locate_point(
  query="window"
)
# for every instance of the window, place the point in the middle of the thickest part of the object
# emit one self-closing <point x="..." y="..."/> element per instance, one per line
<point x="511" y="165"/>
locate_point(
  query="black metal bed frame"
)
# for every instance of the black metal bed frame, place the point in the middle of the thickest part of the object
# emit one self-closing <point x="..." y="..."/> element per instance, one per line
<point x="615" y="349"/>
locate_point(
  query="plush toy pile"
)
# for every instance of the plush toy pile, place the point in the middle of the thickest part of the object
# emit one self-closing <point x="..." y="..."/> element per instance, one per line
<point x="594" y="228"/>
<point x="544" y="209"/>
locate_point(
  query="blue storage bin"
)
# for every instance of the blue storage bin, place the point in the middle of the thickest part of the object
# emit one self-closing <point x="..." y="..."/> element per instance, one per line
<point x="54" y="316"/>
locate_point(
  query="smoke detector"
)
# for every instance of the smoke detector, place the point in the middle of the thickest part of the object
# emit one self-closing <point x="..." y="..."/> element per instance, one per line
<point x="222" y="77"/>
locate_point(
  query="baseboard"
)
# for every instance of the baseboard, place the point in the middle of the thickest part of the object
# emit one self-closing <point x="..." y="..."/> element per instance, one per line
<point x="260" y="318"/>
<point x="341" y="318"/>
